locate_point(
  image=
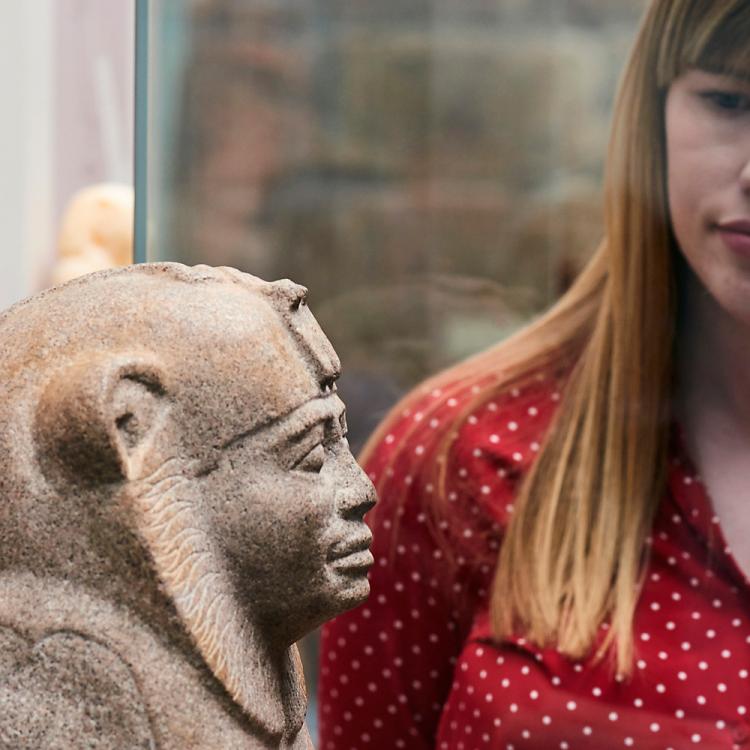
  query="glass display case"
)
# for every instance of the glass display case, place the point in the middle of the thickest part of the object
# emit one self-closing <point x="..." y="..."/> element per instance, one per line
<point x="430" y="169"/>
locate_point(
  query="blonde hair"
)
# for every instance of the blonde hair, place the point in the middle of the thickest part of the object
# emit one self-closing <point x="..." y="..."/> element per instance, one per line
<point x="574" y="551"/>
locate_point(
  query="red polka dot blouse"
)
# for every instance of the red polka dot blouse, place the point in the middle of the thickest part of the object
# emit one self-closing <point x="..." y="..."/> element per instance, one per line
<point x="416" y="666"/>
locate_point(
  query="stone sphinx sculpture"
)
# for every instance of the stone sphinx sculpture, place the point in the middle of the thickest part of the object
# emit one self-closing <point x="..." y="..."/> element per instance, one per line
<point x="178" y="506"/>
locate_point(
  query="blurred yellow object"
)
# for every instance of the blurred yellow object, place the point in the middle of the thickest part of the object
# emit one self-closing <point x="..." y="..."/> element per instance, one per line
<point x="96" y="231"/>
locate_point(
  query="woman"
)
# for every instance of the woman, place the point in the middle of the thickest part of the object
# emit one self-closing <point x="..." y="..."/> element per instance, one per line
<point x="562" y="533"/>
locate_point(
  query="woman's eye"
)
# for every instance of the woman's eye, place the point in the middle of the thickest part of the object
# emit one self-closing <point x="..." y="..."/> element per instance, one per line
<point x="727" y="101"/>
<point x="312" y="461"/>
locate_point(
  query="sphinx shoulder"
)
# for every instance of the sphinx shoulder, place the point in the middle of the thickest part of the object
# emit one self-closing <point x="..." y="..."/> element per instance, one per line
<point x="67" y="690"/>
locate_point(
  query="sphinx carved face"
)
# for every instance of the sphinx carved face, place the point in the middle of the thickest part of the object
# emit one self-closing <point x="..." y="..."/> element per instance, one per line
<point x="287" y="506"/>
<point x="284" y="502"/>
<point x="200" y="412"/>
<point x="222" y="400"/>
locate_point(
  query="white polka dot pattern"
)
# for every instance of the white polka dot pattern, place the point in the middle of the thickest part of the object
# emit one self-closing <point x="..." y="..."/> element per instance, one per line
<point x="416" y="666"/>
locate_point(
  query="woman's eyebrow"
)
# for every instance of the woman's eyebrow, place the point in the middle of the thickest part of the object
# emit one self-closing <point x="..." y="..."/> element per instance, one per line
<point x="740" y="77"/>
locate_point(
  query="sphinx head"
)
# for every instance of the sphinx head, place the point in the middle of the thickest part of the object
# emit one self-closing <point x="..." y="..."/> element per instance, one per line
<point x="180" y="428"/>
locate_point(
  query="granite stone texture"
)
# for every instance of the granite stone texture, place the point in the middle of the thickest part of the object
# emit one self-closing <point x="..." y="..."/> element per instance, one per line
<point x="180" y="506"/>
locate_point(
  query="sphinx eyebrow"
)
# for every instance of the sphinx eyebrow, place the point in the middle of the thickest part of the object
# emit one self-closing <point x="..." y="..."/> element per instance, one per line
<point x="299" y="433"/>
<point x="286" y="426"/>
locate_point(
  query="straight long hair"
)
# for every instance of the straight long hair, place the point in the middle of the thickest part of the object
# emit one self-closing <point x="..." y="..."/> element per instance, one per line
<point x="574" y="552"/>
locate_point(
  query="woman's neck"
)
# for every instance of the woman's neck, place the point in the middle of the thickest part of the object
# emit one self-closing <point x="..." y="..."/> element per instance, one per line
<point x="713" y="364"/>
<point x="713" y="405"/>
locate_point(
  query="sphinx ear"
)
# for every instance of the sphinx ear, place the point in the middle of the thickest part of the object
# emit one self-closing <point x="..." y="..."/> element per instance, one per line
<point x="97" y="419"/>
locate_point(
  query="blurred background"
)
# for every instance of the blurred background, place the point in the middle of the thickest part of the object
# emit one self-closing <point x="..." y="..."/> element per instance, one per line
<point x="430" y="169"/>
<point x="66" y="118"/>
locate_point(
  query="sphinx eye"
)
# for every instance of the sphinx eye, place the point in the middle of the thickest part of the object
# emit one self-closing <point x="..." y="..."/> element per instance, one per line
<point x="312" y="461"/>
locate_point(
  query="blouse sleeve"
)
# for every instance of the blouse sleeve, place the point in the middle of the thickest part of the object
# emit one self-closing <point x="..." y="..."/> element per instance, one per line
<point x="387" y="667"/>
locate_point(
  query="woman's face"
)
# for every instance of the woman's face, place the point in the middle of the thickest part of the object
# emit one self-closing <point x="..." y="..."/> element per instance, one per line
<point x="708" y="180"/>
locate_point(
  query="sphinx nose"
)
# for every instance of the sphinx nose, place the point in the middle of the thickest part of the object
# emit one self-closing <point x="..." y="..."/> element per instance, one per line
<point x="357" y="496"/>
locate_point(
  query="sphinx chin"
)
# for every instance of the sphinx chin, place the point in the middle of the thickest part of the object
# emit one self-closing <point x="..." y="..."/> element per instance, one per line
<point x="352" y="591"/>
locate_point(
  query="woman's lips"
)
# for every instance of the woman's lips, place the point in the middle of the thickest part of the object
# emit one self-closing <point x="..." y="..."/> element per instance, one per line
<point x="736" y="225"/>
<point x="736" y="236"/>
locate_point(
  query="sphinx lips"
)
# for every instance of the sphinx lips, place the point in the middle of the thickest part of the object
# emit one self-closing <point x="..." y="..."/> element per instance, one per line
<point x="354" y="561"/>
<point x="352" y="554"/>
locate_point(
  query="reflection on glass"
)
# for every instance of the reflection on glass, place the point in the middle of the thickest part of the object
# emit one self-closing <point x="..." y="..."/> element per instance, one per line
<point x="430" y="169"/>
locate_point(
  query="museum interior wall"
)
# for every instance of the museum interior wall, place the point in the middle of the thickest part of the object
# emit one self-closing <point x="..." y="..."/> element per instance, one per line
<point x="66" y="69"/>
